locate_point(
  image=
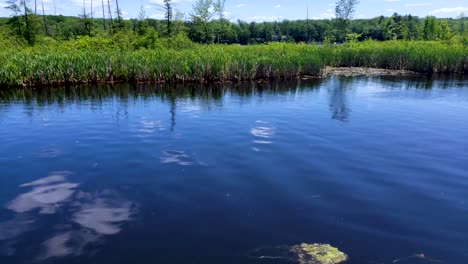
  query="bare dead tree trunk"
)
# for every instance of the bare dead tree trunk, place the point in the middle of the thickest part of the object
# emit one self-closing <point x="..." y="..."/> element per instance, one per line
<point x="119" y="18"/>
<point x="110" y="15"/>
<point x="103" y="15"/>
<point x="46" y="25"/>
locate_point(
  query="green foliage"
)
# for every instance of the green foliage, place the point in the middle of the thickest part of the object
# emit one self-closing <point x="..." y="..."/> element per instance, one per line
<point x="56" y="49"/>
<point x="418" y="56"/>
<point x="353" y="37"/>
<point x="202" y="28"/>
<point x="100" y="59"/>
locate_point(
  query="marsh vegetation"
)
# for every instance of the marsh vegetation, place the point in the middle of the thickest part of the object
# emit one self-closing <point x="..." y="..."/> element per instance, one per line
<point x="205" y="46"/>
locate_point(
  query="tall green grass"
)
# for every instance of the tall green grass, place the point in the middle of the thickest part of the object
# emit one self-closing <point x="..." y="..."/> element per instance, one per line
<point x="59" y="65"/>
<point x="417" y="56"/>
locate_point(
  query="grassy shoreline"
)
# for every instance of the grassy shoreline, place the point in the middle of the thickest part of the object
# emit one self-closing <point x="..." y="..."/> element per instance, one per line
<point x="57" y="65"/>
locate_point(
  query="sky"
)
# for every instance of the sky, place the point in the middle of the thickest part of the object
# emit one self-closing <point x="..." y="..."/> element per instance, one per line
<point x="262" y="10"/>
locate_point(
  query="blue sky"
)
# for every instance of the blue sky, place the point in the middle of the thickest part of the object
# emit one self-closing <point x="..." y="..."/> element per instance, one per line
<point x="268" y="10"/>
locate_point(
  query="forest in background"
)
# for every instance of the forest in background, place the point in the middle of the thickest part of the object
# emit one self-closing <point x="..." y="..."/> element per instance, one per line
<point x="206" y="23"/>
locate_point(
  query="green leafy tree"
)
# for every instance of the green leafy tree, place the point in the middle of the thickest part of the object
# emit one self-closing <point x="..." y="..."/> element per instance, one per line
<point x="444" y="32"/>
<point x="15" y="20"/>
<point x="462" y="26"/>
<point x="390" y="30"/>
<point x="219" y="7"/>
<point x="22" y="21"/>
<point x="140" y="25"/>
<point x="431" y="28"/>
<point x="201" y="16"/>
<point x="344" y="12"/>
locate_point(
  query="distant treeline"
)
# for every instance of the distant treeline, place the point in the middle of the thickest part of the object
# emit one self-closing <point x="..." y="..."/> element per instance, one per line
<point x="397" y="27"/>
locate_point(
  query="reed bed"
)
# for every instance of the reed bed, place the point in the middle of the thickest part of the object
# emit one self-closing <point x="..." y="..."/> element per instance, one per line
<point x="216" y="63"/>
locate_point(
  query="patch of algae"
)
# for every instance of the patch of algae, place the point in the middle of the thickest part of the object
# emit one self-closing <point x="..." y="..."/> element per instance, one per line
<point x="318" y="254"/>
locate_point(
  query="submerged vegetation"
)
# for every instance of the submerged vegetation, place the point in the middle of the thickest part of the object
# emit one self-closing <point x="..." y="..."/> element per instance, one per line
<point x="57" y="50"/>
<point x="301" y="254"/>
<point x="318" y="254"/>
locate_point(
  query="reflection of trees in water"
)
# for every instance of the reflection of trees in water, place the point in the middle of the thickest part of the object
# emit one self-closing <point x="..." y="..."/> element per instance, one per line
<point x="338" y="103"/>
<point x="176" y="97"/>
<point x="92" y="216"/>
<point x="173" y="108"/>
<point x="95" y="96"/>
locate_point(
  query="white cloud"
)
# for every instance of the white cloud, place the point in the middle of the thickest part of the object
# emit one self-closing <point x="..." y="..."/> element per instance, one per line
<point x="159" y="2"/>
<point x="418" y="4"/>
<point x="265" y="18"/>
<point x="447" y="10"/>
<point x="325" y="15"/>
<point x="156" y="16"/>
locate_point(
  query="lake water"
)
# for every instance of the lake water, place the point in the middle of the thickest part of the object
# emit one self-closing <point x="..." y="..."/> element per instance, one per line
<point x="149" y="174"/>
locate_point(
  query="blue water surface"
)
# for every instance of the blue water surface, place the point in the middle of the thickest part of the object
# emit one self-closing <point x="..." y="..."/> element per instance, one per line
<point x="377" y="167"/>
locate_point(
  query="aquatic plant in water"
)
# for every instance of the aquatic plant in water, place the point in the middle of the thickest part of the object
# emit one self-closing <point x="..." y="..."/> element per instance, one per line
<point x="302" y="254"/>
<point x="318" y="254"/>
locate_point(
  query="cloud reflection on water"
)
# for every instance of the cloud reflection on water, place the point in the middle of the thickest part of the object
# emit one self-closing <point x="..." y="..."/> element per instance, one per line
<point x="102" y="217"/>
<point x="51" y="151"/>
<point x="263" y="134"/>
<point x="47" y="195"/>
<point x="92" y="215"/>
<point x="177" y="157"/>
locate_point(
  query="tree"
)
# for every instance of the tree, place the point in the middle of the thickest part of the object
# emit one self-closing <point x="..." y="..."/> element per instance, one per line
<point x="168" y="10"/>
<point x="201" y="15"/>
<point x="87" y="23"/>
<point x="431" y="28"/>
<point x="119" y="14"/>
<point x="103" y="15"/>
<point x="389" y="30"/>
<point x="445" y="32"/>
<point x="14" y="6"/>
<point x="219" y="8"/>
<point x="46" y="24"/>
<point x="110" y="16"/>
<point x="344" y="12"/>
<point x="345" y="9"/>
<point x="461" y="28"/>
<point x="308" y="25"/>
<point x="29" y="34"/>
<point x="179" y="18"/>
<point x="142" y="24"/>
